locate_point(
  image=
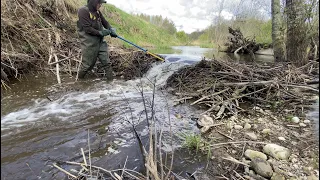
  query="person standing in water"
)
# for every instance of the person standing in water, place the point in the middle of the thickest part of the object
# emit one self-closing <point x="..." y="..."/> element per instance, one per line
<point x="92" y="28"/>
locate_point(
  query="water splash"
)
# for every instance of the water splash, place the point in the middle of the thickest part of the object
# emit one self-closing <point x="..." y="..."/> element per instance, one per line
<point x="75" y="104"/>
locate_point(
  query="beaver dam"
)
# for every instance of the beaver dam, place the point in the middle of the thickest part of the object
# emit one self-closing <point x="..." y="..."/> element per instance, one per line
<point x="223" y="86"/>
<point x="223" y="120"/>
<point x="180" y="119"/>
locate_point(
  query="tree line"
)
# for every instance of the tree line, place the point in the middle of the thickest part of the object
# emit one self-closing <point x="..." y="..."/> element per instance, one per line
<point x="160" y="21"/>
<point x="165" y="24"/>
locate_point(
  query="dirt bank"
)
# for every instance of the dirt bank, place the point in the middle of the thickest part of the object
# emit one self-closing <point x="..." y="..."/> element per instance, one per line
<point x="48" y="35"/>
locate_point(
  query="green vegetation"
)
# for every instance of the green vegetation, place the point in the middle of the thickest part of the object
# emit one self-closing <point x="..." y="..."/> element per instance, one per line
<point x="182" y="36"/>
<point x="213" y="36"/>
<point x="195" y="142"/>
<point x="164" y="23"/>
<point x="192" y="141"/>
<point x="138" y="30"/>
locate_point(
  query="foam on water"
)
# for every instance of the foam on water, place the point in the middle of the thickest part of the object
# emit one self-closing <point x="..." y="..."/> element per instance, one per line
<point x="76" y="103"/>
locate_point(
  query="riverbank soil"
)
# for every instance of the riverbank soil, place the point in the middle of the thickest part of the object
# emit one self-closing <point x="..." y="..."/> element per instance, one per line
<point x="47" y="41"/>
<point x="256" y="123"/>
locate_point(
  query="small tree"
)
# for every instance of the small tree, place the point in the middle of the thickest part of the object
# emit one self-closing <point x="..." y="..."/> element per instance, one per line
<point x="182" y="36"/>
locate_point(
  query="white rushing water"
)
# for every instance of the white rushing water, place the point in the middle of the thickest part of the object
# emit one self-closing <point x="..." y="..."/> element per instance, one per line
<point x="75" y="104"/>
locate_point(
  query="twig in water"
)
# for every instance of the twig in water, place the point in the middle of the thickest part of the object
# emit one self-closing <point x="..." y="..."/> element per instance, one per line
<point x="57" y="69"/>
<point x="78" y="68"/>
<point x="170" y="129"/>
<point x="117" y="176"/>
<point x="89" y="153"/>
<point x="66" y="172"/>
<point x="124" y="167"/>
<point x="84" y="157"/>
<point x="33" y="171"/>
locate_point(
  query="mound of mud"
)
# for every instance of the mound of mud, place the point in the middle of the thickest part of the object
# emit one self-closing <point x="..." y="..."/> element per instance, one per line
<point x="225" y="88"/>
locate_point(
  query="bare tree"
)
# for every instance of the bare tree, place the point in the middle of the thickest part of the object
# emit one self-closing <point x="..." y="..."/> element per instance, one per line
<point x="297" y="38"/>
<point x="277" y="31"/>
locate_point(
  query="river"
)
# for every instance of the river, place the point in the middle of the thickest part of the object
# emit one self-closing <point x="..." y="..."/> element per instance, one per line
<point x="42" y="122"/>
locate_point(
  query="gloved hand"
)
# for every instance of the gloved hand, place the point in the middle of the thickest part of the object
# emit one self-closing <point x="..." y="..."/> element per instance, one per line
<point x="113" y="34"/>
<point x="105" y="32"/>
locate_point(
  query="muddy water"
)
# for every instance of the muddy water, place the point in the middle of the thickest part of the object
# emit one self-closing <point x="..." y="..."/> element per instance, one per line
<point x="42" y="122"/>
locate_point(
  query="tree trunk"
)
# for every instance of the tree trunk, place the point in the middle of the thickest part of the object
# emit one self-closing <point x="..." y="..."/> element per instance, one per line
<point x="277" y="33"/>
<point x="297" y="39"/>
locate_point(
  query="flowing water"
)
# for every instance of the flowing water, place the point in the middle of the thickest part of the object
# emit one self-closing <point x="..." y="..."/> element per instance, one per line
<point x="42" y="122"/>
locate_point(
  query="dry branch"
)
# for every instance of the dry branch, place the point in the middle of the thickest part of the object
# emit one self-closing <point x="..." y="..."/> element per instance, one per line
<point x="226" y="86"/>
<point x="49" y="29"/>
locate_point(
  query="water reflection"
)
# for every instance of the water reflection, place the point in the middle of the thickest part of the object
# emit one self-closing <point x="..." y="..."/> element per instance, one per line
<point x="196" y="52"/>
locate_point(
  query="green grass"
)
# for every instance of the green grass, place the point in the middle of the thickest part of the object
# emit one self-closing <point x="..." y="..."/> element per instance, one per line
<point x="195" y="142"/>
<point x="265" y="34"/>
<point x="132" y="28"/>
<point x="192" y="141"/>
<point x="138" y="30"/>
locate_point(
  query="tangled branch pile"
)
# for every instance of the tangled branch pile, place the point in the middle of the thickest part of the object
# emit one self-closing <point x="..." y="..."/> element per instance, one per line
<point x="224" y="87"/>
<point x="32" y="31"/>
<point x="41" y="35"/>
<point x="130" y="64"/>
<point x="239" y="43"/>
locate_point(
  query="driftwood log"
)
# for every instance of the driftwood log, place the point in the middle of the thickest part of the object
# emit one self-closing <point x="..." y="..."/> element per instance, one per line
<point x="240" y="44"/>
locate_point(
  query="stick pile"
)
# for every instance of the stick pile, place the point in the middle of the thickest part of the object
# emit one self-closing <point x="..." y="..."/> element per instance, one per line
<point x="42" y="36"/>
<point x="228" y="87"/>
<point x="131" y="64"/>
<point x="38" y="35"/>
<point x="239" y="43"/>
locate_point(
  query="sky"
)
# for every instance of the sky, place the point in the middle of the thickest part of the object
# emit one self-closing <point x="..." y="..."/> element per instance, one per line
<point x="188" y="15"/>
<point x="193" y="15"/>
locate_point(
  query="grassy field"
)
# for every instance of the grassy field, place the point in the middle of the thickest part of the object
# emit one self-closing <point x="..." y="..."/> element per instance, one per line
<point x="138" y="30"/>
<point x="133" y="28"/>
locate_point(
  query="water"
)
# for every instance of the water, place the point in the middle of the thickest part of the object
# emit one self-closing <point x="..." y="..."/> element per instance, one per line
<point x="314" y="116"/>
<point x="195" y="52"/>
<point x="41" y="121"/>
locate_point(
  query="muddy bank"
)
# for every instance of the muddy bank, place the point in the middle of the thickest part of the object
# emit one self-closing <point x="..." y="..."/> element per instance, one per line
<point x="46" y="39"/>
